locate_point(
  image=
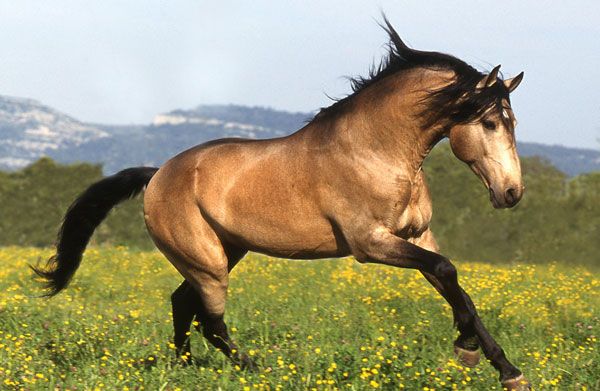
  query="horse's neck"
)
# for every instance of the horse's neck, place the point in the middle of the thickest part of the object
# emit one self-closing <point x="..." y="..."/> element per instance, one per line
<point x="389" y="135"/>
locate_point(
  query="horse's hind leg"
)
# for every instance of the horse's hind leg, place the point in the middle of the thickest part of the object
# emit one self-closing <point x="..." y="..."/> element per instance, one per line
<point x="186" y="304"/>
<point x="183" y="315"/>
<point x="189" y="242"/>
<point x="189" y="304"/>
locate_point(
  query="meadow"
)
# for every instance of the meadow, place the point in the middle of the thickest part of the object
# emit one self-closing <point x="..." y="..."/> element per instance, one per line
<point x="309" y="325"/>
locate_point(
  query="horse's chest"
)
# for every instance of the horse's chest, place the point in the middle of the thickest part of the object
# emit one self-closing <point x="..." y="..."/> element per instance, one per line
<point x="412" y="220"/>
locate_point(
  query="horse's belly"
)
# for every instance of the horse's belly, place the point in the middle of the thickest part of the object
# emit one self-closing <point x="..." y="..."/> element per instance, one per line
<point x="300" y="239"/>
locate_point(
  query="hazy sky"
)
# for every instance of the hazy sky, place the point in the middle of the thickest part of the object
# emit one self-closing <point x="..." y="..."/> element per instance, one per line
<point x="125" y="61"/>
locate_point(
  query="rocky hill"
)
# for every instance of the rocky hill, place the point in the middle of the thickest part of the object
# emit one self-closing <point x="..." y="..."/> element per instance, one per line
<point x="29" y="130"/>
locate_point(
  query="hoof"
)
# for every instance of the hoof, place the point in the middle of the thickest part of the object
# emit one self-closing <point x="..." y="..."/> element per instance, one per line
<point x="246" y="363"/>
<point x="467" y="358"/>
<point x="184" y="362"/>
<point x="519" y="383"/>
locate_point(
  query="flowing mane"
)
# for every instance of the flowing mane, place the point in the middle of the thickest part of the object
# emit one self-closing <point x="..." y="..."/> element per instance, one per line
<point x="458" y="102"/>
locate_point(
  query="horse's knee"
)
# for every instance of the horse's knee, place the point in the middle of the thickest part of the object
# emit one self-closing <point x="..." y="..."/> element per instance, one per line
<point x="445" y="271"/>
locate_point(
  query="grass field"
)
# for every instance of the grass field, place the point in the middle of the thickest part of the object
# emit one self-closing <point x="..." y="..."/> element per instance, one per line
<point x="309" y="325"/>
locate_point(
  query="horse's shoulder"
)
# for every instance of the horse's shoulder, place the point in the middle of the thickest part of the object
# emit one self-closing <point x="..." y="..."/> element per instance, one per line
<point x="414" y="218"/>
<point x="420" y="187"/>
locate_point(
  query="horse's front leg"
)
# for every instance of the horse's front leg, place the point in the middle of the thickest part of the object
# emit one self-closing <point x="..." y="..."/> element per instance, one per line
<point x="381" y="246"/>
<point x="465" y="348"/>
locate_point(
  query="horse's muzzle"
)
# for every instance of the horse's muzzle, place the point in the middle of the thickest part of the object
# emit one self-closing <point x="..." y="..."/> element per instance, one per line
<point x="512" y="196"/>
<point x="507" y="199"/>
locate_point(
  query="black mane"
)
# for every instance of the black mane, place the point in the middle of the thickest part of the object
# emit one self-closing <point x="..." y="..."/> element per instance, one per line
<point x="458" y="102"/>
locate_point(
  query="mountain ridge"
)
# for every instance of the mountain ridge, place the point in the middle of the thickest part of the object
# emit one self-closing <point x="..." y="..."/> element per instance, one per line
<point x="30" y="130"/>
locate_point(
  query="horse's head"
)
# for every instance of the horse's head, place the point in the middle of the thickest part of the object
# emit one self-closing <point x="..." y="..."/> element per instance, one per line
<point x="487" y="144"/>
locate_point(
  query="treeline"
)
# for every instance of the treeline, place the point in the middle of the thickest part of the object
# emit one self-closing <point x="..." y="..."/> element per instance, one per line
<point x="34" y="200"/>
<point x="557" y="220"/>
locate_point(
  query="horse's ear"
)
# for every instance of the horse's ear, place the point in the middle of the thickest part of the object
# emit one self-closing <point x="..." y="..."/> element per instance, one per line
<point x="490" y="79"/>
<point x="512" y="84"/>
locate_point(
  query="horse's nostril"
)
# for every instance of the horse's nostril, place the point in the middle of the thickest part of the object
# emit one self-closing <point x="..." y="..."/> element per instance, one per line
<point x="511" y="196"/>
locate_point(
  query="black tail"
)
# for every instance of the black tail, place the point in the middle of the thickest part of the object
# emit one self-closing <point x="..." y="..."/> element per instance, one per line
<point x="82" y="218"/>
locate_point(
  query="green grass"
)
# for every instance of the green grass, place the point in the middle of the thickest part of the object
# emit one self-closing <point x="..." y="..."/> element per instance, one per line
<point x="309" y="325"/>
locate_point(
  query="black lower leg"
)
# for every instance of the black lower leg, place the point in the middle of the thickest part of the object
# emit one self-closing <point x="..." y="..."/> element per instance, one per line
<point x="464" y="314"/>
<point x="471" y="327"/>
<point x="214" y="330"/>
<point x="183" y="315"/>
<point x="464" y="342"/>
<point x="469" y="324"/>
<point x="386" y="248"/>
<point x="495" y="353"/>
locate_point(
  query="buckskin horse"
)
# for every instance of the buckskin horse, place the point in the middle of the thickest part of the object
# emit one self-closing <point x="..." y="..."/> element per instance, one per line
<point x="350" y="182"/>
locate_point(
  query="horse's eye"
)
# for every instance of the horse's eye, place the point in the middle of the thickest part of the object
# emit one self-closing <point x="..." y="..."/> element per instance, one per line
<point x="489" y="125"/>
